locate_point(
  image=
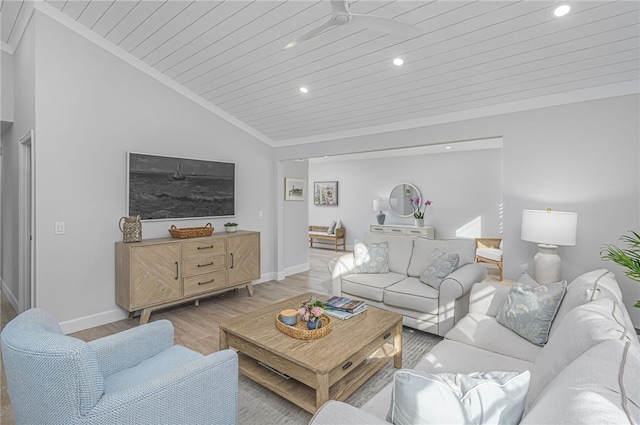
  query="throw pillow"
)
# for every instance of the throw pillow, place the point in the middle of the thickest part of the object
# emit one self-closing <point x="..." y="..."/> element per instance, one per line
<point x="332" y="228"/>
<point x="582" y="328"/>
<point x="339" y="224"/>
<point x="371" y="258"/>
<point x="438" y="266"/>
<point x="530" y="308"/>
<point x="419" y="397"/>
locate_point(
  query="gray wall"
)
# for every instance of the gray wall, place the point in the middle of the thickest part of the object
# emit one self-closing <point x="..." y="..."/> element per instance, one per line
<point x="578" y="157"/>
<point x="6" y="87"/>
<point x="91" y="109"/>
<point x="294" y="253"/>
<point x="463" y="187"/>
<point x="24" y="120"/>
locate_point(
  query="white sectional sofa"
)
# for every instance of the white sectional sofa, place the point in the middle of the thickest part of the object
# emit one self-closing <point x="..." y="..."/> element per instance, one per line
<point x="587" y="372"/>
<point x="400" y="290"/>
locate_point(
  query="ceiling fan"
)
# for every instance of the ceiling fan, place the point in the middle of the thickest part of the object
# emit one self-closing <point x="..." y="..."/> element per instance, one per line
<point x="341" y="15"/>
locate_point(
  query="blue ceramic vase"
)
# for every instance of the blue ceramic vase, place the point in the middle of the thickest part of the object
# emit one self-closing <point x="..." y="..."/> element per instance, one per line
<point x="312" y="325"/>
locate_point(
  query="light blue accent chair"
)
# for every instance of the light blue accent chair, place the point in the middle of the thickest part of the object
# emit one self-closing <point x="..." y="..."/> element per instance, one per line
<point x="134" y="377"/>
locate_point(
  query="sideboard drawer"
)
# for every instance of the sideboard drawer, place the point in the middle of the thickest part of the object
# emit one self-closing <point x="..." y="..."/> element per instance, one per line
<point x="203" y="248"/>
<point x="196" y="266"/>
<point x="399" y="229"/>
<point x="204" y="282"/>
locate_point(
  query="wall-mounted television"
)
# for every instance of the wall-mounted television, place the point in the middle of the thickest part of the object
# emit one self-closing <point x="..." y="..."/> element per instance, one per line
<point x="167" y="187"/>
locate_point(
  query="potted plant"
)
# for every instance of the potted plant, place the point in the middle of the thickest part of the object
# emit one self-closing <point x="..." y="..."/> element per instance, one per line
<point x="310" y="311"/>
<point x="628" y="258"/>
<point x="230" y="227"/>
<point x="417" y="214"/>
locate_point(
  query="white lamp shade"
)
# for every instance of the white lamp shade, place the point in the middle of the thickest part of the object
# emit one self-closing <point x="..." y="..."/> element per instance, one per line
<point x="380" y="205"/>
<point x="549" y="227"/>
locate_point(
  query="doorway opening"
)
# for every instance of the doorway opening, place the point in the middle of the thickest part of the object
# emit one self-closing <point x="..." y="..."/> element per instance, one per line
<point x="26" y="275"/>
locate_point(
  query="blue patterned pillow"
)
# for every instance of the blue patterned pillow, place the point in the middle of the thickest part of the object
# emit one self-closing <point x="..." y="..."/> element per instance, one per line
<point x="530" y="308"/>
<point x="371" y="258"/>
<point x="438" y="266"/>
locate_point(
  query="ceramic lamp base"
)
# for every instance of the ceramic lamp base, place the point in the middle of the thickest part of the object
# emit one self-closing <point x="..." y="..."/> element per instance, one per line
<point x="547" y="266"/>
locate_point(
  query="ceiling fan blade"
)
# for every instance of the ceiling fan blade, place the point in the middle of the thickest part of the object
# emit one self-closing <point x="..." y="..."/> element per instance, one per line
<point x="340" y="7"/>
<point x="386" y="25"/>
<point x="304" y="37"/>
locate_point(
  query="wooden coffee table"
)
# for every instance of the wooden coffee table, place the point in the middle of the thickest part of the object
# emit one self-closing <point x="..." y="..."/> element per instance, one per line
<point x="318" y="370"/>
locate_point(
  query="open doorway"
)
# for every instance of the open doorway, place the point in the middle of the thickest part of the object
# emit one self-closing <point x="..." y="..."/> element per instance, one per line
<point x="26" y="278"/>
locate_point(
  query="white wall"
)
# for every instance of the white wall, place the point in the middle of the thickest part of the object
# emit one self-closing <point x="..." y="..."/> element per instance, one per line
<point x="463" y="187"/>
<point x="24" y="121"/>
<point x="580" y="157"/>
<point x="6" y="87"/>
<point x="91" y="109"/>
<point x="295" y="255"/>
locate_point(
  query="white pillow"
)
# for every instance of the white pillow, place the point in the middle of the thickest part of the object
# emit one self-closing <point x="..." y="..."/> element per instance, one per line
<point x="332" y="228"/>
<point x="420" y="397"/>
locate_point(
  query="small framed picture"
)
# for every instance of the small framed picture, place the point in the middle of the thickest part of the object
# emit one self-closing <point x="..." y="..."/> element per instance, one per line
<point x="294" y="189"/>
<point x="325" y="193"/>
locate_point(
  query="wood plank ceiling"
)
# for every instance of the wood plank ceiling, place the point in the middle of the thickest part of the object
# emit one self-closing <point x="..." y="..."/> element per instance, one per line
<point x="471" y="54"/>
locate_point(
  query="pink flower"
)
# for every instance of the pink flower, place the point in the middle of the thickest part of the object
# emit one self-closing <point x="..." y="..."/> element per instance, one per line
<point x="317" y="311"/>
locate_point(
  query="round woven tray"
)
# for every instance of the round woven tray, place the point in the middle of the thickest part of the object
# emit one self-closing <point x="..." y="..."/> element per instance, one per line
<point x="300" y="330"/>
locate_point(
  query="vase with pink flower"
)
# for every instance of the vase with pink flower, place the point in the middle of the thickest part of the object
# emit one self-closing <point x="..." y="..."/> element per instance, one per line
<point x="418" y="214"/>
<point x="311" y="311"/>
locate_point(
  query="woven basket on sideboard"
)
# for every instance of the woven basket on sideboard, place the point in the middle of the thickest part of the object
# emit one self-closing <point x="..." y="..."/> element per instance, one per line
<point x="191" y="232"/>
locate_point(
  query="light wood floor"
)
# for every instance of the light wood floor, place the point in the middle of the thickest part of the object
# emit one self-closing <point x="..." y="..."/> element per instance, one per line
<point x="197" y="327"/>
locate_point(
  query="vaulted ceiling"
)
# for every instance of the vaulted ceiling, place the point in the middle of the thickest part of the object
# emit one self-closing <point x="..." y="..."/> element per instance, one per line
<point x="470" y="55"/>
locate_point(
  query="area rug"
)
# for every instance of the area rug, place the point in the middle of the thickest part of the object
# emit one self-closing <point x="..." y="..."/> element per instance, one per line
<point x="258" y="405"/>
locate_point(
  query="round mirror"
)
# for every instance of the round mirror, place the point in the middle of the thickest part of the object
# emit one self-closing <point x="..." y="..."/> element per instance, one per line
<point x="399" y="199"/>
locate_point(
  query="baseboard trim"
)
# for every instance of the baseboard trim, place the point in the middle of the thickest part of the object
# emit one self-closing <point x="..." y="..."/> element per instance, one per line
<point x="10" y="297"/>
<point x="300" y="268"/>
<point x="91" y="321"/>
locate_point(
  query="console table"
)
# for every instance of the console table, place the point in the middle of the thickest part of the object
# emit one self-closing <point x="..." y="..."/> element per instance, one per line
<point x="158" y="273"/>
<point x="404" y="230"/>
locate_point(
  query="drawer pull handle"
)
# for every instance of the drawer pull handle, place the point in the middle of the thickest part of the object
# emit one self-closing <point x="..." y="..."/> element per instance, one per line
<point x="387" y="335"/>
<point x="347" y="365"/>
<point x="205" y="247"/>
<point x="231" y="260"/>
<point x="208" y="281"/>
<point x="205" y="265"/>
<point x="176" y="271"/>
<point x="396" y="230"/>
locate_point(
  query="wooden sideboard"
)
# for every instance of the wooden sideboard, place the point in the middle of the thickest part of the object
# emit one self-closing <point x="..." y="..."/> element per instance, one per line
<point x="158" y="273"/>
<point x="403" y="230"/>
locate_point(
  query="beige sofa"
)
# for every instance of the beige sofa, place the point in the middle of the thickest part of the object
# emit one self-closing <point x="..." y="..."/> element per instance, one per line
<point x="587" y="372"/>
<point x="400" y="290"/>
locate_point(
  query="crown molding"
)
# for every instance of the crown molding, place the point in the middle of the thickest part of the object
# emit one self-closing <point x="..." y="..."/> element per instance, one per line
<point x="575" y="96"/>
<point x="81" y="30"/>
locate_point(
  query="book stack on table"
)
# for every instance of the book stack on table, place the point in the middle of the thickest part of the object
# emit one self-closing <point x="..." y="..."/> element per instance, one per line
<point x="344" y="308"/>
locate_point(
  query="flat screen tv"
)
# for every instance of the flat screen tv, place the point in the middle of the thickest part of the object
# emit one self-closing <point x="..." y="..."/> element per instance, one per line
<point x="166" y="187"/>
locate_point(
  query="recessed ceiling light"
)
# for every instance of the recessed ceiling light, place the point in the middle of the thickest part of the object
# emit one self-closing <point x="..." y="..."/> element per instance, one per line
<point x="561" y="10"/>
<point x="448" y="148"/>
<point x="304" y="90"/>
<point x="398" y="61"/>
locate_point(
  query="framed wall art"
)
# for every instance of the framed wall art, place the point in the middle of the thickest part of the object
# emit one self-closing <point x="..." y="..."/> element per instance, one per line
<point x="166" y="187"/>
<point x="294" y="189"/>
<point x="325" y="193"/>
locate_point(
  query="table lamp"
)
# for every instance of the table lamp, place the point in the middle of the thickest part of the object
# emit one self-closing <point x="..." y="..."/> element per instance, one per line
<point x="380" y="205"/>
<point x="548" y="229"/>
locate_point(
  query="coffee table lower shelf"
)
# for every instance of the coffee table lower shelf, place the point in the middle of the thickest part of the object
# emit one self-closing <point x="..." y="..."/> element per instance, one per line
<point x="305" y="396"/>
